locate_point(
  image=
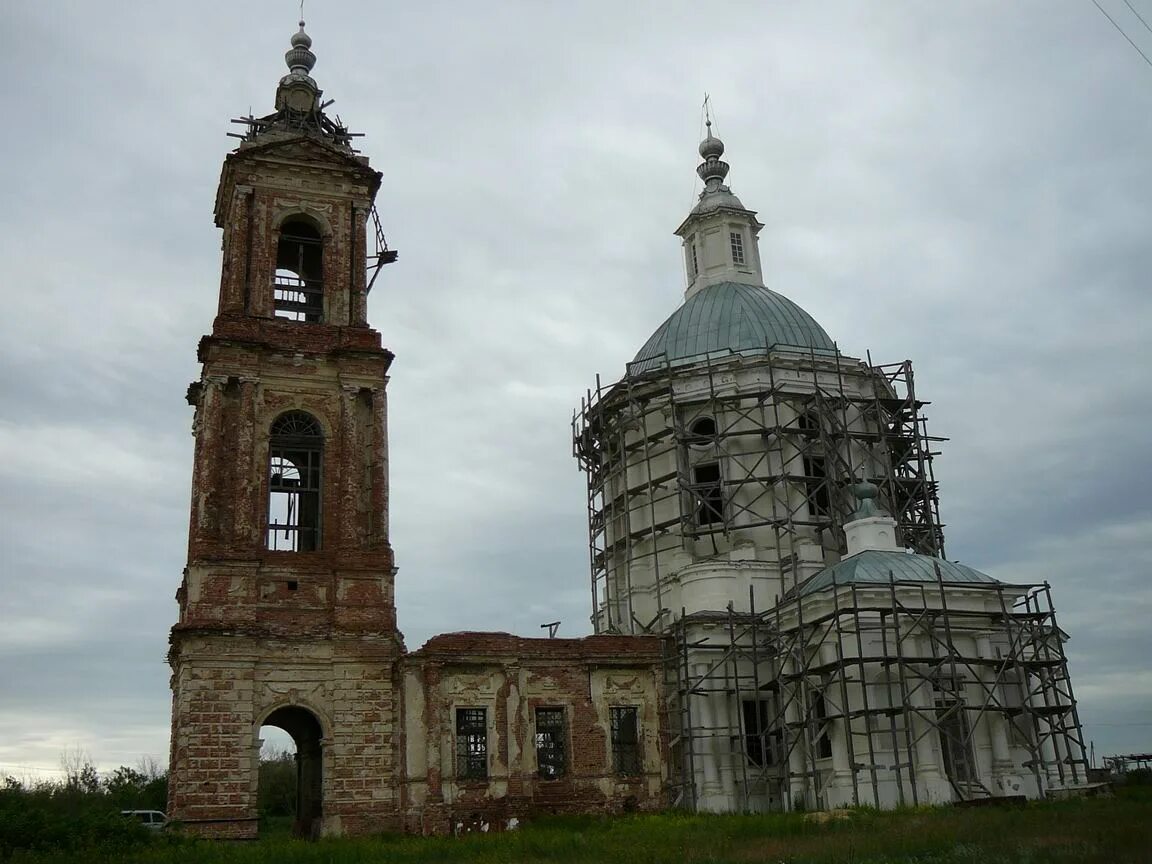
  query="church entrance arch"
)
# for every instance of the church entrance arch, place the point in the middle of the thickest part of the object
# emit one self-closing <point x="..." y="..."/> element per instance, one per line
<point x="307" y="734"/>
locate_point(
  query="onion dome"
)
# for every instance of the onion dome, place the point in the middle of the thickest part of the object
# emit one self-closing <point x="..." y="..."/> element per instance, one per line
<point x="712" y="170"/>
<point x="299" y="57"/>
<point x="711" y="146"/>
<point x="866" y="506"/>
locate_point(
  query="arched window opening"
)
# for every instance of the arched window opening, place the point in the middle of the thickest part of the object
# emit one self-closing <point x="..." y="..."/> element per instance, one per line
<point x="295" y="451"/>
<point x="709" y="493"/>
<point x="702" y="431"/>
<point x="298" y="286"/>
<point x="291" y="770"/>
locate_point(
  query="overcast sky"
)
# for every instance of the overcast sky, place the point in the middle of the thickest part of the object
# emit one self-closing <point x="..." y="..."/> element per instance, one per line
<point x="965" y="184"/>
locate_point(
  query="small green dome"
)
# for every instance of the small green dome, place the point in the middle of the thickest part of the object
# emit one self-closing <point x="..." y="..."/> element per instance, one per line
<point x="879" y="567"/>
<point x="730" y="318"/>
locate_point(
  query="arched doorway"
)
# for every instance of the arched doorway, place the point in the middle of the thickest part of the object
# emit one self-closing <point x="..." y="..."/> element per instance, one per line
<point x="306" y="733"/>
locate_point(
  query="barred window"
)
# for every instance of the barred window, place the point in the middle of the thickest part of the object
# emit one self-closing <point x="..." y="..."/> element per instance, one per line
<point x="625" y="730"/>
<point x="471" y="743"/>
<point x="295" y="452"/>
<point x="551" y="753"/>
<point x="736" y="241"/>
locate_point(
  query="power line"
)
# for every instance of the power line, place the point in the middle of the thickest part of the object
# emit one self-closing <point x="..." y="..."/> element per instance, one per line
<point x="1138" y="15"/>
<point x="1120" y="30"/>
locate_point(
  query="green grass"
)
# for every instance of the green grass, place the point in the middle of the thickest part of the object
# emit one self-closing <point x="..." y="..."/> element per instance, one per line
<point x="1098" y="830"/>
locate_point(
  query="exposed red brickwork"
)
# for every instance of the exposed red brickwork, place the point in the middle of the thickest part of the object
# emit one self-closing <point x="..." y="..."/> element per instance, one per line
<point x="260" y="630"/>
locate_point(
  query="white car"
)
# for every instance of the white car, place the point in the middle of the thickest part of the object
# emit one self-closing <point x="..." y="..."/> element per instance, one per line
<point x="153" y="819"/>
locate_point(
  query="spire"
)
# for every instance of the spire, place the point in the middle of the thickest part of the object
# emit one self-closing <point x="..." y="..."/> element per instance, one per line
<point x="720" y="233"/>
<point x="300" y="60"/>
<point x="712" y="171"/>
<point x="299" y="57"/>
<point x="299" y="109"/>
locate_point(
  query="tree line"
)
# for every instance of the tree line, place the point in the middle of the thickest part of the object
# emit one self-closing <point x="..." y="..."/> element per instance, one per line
<point x="84" y="808"/>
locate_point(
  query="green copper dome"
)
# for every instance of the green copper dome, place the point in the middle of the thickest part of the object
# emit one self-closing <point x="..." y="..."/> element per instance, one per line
<point x="873" y="566"/>
<point x="730" y="318"/>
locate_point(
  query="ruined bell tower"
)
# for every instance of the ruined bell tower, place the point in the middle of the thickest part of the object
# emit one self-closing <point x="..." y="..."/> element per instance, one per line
<point x="287" y="615"/>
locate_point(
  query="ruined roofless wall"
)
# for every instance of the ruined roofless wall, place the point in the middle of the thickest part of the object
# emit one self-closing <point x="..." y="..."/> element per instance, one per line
<point x="510" y="678"/>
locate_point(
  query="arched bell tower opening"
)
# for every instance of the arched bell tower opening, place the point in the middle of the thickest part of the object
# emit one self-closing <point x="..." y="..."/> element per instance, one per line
<point x="295" y="482"/>
<point x="298" y="286"/>
<point x="307" y="735"/>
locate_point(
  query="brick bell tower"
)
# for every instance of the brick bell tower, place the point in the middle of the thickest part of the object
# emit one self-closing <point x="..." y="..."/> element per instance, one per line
<point x="287" y="616"/>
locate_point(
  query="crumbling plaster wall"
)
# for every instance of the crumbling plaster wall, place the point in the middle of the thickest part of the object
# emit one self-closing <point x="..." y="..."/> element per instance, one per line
<point x="510" y="677"/>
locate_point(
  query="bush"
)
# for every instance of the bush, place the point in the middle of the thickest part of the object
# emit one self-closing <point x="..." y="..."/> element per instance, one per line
<point x="81" y="812"/>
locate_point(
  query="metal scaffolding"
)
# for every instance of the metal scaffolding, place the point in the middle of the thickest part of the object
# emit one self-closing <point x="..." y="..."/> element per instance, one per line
<point x="685" y="463"/>
<point x="792" y="439"/>
<point x="891" y="677"/>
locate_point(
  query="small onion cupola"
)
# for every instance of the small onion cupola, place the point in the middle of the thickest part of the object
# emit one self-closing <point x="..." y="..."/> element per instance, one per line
<point x="870" y="527"/>
<point x="298" y="90"/>
<point x="720" y="234"/>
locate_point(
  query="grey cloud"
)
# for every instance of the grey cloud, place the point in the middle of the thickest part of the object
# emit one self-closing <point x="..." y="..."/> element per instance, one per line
<point x="962" y="185"/>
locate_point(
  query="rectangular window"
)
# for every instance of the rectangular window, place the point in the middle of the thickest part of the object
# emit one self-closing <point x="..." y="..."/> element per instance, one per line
<point x="816" y="484"/>
<point x="551" y="753"/>
<point x="625" y="741"/>
<point x="737" y="243"/>
<point x="471" y="743"/>
<point x="692" y="250"/>
<point x="955" y="739"/>
<point x="820" y="725"/>
<point x="761" y="747"/>
<point x="709" y="493"/>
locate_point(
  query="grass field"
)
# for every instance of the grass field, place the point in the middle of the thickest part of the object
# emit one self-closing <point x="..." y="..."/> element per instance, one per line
<point x="1098" y="830"/>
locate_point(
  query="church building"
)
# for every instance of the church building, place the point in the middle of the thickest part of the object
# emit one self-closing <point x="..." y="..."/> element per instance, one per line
<point x="775" y="624"/>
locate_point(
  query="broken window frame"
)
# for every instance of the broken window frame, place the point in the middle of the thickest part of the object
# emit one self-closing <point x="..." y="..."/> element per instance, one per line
<point x="708" y="494"/>
<point x="821" y="740"/>
<point x="551" y="743"/>
<point x="955" y="734"/>
<point x="471" y="743"/>
<point x="295" y="472"/>
<point x="815" y="467"/>
<point x="761" y="744"/>
<point x="624" y="726"/>
<point x="299" y="296"/>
